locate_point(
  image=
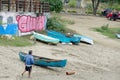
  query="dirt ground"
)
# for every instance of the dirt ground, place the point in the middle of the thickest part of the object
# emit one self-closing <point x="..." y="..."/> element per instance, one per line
<point x="100" y="61"/>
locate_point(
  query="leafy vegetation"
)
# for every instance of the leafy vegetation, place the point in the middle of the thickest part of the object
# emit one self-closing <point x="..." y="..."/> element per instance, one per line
<point x="55" y="24"/>
<point x="58" y="24"/>
<point x="18" y="41"/>
<point x="89" y="9"/>
<point x="110" y="32"/>
<point x="55" y="5"/>
<point x="72" y="3"/>
<point x="114" y="6"/>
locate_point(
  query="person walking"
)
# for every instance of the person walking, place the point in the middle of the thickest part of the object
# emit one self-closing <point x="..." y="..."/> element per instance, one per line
<point x="29" y="61"/>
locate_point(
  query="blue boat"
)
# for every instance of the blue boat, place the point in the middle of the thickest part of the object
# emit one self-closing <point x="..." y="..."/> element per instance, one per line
<point x="44" y="62"/>
<point x="62" y="37"/>
<point x="85" y="39"/>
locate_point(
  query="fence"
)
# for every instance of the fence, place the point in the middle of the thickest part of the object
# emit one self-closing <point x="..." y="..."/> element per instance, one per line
<point x="24" y="5"/>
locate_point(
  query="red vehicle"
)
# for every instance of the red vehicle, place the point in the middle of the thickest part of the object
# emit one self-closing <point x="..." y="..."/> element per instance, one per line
<point x="113" y="16"/>
<point x="119" y="15"/>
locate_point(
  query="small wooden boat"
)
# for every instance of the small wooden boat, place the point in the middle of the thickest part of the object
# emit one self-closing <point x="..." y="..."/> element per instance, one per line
<point x="45" y="38"/>
<point x="85" y="39"/>
<point x="44" y="62"/>
<point x="62" y="37"/>
<point x="118" y="36"/>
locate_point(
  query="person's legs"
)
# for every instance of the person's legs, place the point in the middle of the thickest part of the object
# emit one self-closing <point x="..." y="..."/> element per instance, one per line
<point x="29" y="71"/>
<point x="23" y="72"/>
<point x="26" y="69"/>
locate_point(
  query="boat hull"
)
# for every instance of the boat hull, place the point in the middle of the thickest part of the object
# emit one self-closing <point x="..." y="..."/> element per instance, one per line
<point x="62" y="37"/>
<point x="85" y="39"/>
<point x="45" y="38"/>
<point x="46" y="62"/>
<point x="118" y="36"/>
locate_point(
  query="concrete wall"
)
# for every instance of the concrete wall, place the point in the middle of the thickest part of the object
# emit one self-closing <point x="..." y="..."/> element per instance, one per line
<point x="20" y="23"/>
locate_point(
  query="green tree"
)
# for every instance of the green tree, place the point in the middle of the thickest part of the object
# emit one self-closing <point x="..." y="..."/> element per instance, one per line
<point x="55" y="5"/>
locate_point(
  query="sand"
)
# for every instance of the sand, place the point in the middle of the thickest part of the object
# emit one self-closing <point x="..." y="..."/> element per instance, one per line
<point x="100" y="61"/>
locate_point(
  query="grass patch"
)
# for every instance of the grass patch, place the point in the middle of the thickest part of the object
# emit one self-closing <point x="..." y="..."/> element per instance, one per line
<point x="72" y="11"/>
<point x="18" y="42"/>
<point x="110" y="32"/>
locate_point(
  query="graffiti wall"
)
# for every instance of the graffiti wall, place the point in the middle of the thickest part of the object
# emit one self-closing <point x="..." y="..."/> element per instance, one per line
<point x="8" y="23"/>
<point x="18" y="24"/>
<point x="28" y="23"/>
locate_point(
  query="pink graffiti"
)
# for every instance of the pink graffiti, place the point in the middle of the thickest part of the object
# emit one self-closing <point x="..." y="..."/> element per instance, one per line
<point x="28" y="23"/>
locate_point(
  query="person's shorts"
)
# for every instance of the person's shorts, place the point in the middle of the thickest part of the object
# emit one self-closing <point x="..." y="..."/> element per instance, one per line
<point x="28" y="68"/>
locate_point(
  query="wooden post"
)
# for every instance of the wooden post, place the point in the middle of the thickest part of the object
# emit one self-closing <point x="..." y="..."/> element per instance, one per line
<point x="12" y="4"/>
<point x="39" y="7"/>
<point x="24" y="5"/>
<point x="30" y="6"/>
<point x="35" y="6"/>
<point x="0" y="4"/>
<point x="17" y="5"/>
<point x="70" y="73"/>
<point x="8" y="5"/>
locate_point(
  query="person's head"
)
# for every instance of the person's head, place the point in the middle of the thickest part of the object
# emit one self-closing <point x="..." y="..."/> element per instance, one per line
<point x="30" y="52"/>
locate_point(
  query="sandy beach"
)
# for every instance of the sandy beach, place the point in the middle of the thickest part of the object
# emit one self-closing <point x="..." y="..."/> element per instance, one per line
<point x="100" y="61"/>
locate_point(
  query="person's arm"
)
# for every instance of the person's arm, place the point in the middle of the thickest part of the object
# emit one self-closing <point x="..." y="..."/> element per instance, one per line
<point x="32" y="60"/>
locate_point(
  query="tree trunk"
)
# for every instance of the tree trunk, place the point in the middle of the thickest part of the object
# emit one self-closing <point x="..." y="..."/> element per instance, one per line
<point x="95" y="5"/>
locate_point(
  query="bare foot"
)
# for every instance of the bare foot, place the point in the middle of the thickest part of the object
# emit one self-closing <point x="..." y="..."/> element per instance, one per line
<point x="22" y="74"/>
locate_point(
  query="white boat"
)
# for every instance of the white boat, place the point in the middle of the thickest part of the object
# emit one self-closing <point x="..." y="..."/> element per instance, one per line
<point x="118" y="36"/>
<point x="84" y="39"/>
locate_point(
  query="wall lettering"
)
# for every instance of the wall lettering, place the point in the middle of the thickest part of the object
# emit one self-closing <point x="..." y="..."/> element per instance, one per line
<point x="28" y="23"/>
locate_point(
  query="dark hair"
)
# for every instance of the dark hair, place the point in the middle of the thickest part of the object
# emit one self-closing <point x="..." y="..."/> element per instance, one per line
<point x="30" y="51"/>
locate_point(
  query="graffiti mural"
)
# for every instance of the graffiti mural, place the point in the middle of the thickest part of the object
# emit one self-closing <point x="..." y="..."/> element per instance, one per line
<point x="10" y="29"/>
<point x="28" y="23"/>
<point x="18" y="24"/>
<point x="10" y="20"/>
<point x="1" y="19"/>
<point x="8" y="24"/>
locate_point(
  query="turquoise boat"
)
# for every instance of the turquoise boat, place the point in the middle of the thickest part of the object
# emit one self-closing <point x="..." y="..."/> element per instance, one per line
<point x="62" y="37"/>
<point x="44" y="62"/>
<point x="45" y="38"/>
<point x="85" y="39"/>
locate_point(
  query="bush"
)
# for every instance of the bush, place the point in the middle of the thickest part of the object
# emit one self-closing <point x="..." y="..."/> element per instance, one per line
<point x="115" y="6"/>
<point x="55" y="5"/>
<point x="89" y="9"/>
<point x="104" y="27"/>
<point x="55" y="24"/>
<point x="72" y="3"/>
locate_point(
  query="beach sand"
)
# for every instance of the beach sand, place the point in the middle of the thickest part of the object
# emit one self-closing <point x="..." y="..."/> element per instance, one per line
<point x="100" y="61"/>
